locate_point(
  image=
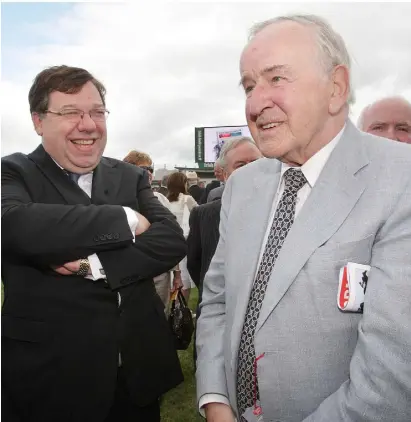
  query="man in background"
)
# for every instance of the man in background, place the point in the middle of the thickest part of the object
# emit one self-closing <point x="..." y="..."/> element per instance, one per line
<point x="389" y="118"/>
<point x="218" y="173"/>
<point x="163" y="188"/>
<point x="82" y="238"/>
<point x="205" y="219"/>
<point x="195" y="189"/>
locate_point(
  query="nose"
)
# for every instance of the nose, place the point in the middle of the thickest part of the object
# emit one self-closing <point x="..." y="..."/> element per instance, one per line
<point x="258" y="100"/>
<point x="390" y="133"/>
<point x="87" y="124"/>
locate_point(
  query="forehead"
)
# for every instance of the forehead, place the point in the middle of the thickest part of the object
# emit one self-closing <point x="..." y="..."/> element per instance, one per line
<point x="278" y="44"/>
<point x="389" y="112"/>
<point x="87" y="96"/>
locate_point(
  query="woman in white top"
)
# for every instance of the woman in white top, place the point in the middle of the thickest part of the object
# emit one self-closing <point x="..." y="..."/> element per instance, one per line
<point x="181" y="205"/>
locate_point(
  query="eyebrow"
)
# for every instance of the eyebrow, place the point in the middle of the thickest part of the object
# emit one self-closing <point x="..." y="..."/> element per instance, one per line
<point x="76" y="106"/>
<point x="269" y="69"/>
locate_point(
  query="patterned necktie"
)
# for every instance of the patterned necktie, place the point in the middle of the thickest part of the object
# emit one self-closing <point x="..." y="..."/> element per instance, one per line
<point x="283" y="219"/>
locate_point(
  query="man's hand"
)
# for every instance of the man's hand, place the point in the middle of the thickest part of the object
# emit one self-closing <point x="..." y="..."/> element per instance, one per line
<point x="143" y="224"/>
<point x="218" y="412"/>
<point x="69" y="268"/>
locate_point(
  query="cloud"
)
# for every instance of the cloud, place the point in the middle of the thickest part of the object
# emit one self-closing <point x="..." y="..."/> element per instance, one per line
<point x="169" y="67"/>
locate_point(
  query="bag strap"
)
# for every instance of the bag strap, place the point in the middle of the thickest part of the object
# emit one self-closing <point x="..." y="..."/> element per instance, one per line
<point x="181" y="298"/>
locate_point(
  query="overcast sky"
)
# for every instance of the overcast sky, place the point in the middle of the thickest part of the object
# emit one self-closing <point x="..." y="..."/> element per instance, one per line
<point x="169" y="67"/>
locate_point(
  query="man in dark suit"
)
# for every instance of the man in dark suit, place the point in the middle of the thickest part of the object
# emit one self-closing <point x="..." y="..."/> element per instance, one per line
<point x="205" y="219"/>
<point x="85" y="337"/>
<point x="219" y="174"/>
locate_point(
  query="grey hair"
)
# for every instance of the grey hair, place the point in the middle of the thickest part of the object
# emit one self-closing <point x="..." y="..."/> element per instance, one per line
<point x="229" y="145"/>
<point x="333" y="51"/>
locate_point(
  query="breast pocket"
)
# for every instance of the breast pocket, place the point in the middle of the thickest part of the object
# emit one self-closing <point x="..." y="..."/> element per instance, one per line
<point x="358" y="251"/>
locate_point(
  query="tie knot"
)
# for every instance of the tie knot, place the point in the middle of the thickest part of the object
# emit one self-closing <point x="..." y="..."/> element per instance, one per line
<point x="73" y="176"/>
<point x="294" y="180"/>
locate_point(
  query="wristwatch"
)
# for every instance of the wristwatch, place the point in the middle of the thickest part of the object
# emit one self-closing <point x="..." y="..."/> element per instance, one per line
<point x="84" y="267"/>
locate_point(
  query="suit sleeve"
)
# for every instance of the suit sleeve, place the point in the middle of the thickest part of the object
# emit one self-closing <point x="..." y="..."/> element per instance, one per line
<point x="52" y="233"/>
<point x="379" y="387"/>
<point x="211" y="326"/>
<point x="154" y="252"/>
<point x="194" y="247"/>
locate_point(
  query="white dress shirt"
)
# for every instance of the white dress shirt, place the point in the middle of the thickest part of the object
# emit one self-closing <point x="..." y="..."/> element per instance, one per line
<point x="311" y="170"/>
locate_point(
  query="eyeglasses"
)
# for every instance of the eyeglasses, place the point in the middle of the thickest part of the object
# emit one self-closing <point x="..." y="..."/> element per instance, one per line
<point x="148" y="168"/>
<point x="74" y="115"/>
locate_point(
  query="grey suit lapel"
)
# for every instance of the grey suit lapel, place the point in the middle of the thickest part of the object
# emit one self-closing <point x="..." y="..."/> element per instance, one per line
<point x="255" y="213"/>
<point x="334" y="195"/>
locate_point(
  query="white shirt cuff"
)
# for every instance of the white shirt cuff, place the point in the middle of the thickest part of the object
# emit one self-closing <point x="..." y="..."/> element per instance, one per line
<point x="132" y="220"/>
<point x="97" y="271"/>
<point x="211" y="398"/>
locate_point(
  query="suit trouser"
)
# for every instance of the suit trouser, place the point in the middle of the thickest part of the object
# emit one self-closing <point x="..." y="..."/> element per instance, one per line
<point x="124" y="409"/>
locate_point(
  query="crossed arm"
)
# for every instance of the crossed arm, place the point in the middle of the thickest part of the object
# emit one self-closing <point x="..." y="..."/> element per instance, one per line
<point x="54" y="234"/>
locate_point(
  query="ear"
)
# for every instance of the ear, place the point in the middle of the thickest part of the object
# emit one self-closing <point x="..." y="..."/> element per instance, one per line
<point x="225" y="175"/>
<point x="340" y="89"/>
<point x="38" y="123"/>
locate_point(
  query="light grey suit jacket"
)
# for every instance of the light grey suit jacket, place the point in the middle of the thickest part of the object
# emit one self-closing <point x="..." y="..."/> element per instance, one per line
<point x="320" y="364"/>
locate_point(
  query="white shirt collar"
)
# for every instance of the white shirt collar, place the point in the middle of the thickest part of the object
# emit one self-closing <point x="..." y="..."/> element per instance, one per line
<point x="84" y="174"/>
<point x="313" y="167"/>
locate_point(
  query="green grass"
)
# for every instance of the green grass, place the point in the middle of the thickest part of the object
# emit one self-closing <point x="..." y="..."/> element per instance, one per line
<point x="180" y="404"/>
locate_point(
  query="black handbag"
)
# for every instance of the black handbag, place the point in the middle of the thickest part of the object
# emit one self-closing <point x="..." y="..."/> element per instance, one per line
<point x="181" y="321"/>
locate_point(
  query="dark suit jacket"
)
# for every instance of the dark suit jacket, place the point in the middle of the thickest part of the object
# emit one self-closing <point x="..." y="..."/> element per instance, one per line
<point x="62" y="334"/>
<point x="202" y="240"/>
<point x="212" y="185"/>
<point x="196" y="192"/>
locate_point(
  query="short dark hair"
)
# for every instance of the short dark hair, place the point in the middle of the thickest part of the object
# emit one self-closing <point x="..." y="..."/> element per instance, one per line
<point x="63" y="78"/>
<point x="176" y="184"/>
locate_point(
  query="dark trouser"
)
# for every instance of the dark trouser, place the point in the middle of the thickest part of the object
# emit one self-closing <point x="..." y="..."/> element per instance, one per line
<point x="124" y="409"/>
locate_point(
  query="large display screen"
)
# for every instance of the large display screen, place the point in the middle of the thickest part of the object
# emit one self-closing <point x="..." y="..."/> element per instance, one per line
<point x="209" y="140"/>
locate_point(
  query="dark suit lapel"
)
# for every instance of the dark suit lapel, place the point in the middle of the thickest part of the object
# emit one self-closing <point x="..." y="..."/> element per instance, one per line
<point x="106" y="183"/>
<point x="337" y="190"/>
<point x="71" y="193"/>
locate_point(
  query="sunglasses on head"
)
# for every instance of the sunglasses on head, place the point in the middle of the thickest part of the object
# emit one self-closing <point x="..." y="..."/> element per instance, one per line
<point x="148" y="168"/>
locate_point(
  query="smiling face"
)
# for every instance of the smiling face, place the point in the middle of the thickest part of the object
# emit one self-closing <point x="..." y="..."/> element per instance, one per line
<point x="77" y="146"/>
<point x="293" y="107"/>
<point x="389" y="118"/>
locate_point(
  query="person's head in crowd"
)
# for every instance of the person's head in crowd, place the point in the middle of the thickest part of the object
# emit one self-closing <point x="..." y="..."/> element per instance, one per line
<point x="164" y="181"/>
<point x="236" y="153"/>
<point x="177" y="184"/>
<point x="218" y="171"/>
<point x="68" y="110"/>
<point x="142" y="160"/>
<point x="201" y="184"/>
<point x="295" y="71"/>
<point x="192" y="178"/>
<point x="389" y="118"/>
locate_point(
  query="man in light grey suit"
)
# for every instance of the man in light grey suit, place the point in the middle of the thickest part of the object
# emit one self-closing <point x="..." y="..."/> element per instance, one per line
<point x="270" y="337"/>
